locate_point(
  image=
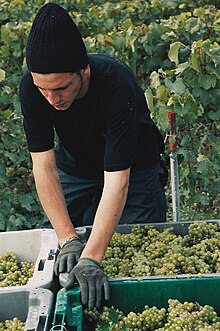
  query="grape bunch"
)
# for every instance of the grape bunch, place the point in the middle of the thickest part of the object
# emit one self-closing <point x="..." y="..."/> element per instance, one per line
<point x="177" y="317"/>
<point x="13" y="272"/>
<point x="150" y="252"/>
<point x="190" y="316"/>
<point x="12" y="325"/>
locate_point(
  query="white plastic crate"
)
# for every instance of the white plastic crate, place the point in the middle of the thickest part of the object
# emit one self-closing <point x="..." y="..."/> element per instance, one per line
<point x="39" y="246"/>
<point x="32" y="306"/>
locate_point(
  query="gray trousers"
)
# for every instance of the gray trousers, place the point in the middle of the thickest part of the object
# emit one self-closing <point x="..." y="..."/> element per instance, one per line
<point x="146" y="202"/>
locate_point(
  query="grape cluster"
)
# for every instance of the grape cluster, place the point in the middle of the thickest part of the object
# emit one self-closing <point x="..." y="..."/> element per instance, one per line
<point x="177" y="317"/>
<point x="150" y="252"/>
<point x="12" y="325"/>
<point x="190" y="316"/>
<point x="14" y="273"/>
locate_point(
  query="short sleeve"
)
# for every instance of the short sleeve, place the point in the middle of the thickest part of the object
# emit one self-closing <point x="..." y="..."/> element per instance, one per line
<point x="121" y="128"/>
<point x="37" y="123"/>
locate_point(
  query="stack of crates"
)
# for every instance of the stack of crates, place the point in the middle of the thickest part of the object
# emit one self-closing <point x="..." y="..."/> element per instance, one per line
<point x="132" y="294"/>
<point x="32" y="303"/>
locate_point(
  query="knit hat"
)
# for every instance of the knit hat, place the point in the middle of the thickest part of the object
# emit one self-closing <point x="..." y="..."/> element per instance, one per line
<point x="54" y="43"/>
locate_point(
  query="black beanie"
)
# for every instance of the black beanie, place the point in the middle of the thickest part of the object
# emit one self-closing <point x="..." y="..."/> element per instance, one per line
<point x="54" y="43"/>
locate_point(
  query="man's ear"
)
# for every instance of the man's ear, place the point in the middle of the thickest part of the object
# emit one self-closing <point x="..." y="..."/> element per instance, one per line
<point x="87" y="69"/>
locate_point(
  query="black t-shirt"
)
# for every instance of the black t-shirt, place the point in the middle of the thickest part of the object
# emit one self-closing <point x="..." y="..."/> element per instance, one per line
<point x="108" y="129"/>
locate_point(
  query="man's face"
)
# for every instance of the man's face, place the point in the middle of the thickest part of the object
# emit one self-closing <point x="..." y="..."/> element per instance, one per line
<point x="61" y="89"/>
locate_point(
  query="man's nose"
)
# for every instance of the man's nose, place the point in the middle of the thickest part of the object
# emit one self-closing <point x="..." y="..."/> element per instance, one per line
<point x="53" y="97"/>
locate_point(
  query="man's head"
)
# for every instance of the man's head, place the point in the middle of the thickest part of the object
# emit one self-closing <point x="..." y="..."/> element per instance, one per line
<point x="54" y="43"/>
<point x="57" y="57"/>
<point x="61" y="89"/>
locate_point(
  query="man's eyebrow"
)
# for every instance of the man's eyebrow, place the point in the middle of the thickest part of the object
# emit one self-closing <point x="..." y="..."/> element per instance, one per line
<point x="55" y="89"/>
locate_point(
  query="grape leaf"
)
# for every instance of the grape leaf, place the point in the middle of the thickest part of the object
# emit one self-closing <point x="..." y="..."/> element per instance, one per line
<point x="207" y="81"/>
<point x="26" y="200"/>
<point x="2" y="75"/>
<point x="174" y="52"/>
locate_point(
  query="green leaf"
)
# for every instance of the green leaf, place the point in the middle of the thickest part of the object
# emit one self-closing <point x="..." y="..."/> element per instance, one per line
<point x="100" y="38"/>
<point x="109" y="23"/>
<point x="162" y="93"/>
<point x="200" y="12"/>
<point x="6" y="113"/>
<point x="206" y="47"/>
<point x="109" y="40"/>
<point x="214" y="115"/>
<point x="154" y="79"/>
<point x="216" y="55"/>
<point x="5" y="53"/>
<point x="15" y="222"/>
<point x="5" y="35"/>
<point x="163" y="118"/>
<point x="207" y="81"/>
<point x="26" y="200"/>
<point x="127" y="24"/>
<point x="2" y="75"/>
<point x="197" y="91"/>
<point x="184" y="152"/>
<point x="216" y="25"/>
<point x="150" y="100"/>
<point x="2" y="223"/>
<point x="178" y="109"/>
<point x="113" y="318"/>
<point x="16" y="103"/>
<point x="177" y="87"/>
<point x="204" y="199"/>
<point x="205" y="98"/>
<point x="182" y="67"/>
<point x="131" y="42"/>
<point x="174" y="52"/>
<point x="171" y="101"/>
<point x="2" y="173"/>
<point x="201" y="158"/>
<point x="119" y="41"/>
<point x="195" y="62"/>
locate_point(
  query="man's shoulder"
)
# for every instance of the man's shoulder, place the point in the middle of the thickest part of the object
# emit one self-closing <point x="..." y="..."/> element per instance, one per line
<point x="26" y="82"/>
<point x="107" y="62"/>
<point x="111" y="71"/>
<point x="26" y="77"/>
<point x="100" y="58"/>
<point x="28" y="92"/>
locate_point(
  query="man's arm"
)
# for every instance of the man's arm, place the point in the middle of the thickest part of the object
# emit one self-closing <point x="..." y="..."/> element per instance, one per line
<point x="51" y="195"/>
<point x="108" y="213"/>
<point x="88" y="272"/>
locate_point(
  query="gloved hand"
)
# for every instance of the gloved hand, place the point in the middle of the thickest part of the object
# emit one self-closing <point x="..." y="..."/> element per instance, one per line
<point x="68" y="256"/>
<point x="91" y="279"/>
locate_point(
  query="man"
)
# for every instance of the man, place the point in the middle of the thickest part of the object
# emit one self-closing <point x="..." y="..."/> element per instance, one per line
<point x="106" y="166"/>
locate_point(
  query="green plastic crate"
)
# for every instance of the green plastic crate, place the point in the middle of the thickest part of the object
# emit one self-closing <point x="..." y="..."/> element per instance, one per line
<point x="133" y="295"/>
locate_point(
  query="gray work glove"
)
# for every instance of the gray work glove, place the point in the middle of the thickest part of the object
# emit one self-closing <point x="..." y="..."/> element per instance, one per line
<point x="92" y="280"/>
<point x="68" y="256"/>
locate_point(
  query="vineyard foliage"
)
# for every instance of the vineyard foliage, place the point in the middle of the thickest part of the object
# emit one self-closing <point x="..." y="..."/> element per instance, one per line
<point x="173" y="47"/>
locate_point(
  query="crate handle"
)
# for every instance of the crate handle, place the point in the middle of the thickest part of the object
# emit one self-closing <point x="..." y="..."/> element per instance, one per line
<point x="62" y="328"/>
<point x="41" y="264"/>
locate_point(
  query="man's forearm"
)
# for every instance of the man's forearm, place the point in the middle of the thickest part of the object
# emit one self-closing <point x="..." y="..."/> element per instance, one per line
<point x="52" y="199"/>
<point x="107" y="217"/>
